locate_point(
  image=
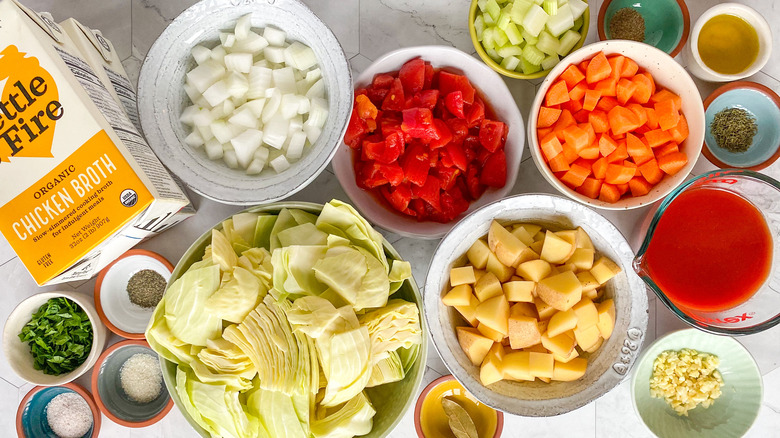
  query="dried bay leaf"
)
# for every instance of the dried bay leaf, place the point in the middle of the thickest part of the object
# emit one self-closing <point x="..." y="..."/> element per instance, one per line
<point x="460" y="421"/>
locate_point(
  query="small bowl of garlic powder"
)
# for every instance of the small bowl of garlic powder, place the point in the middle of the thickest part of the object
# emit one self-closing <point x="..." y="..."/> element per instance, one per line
<point x="66" y="411"/>
<point x="128" y="385"/>
<point x="692" y="384"/>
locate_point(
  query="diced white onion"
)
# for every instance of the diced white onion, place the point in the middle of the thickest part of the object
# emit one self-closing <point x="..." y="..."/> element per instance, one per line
<point x="202" y="117"/>
<point x="188" y="114"/>
<point x="260" y="79"/>
<point x="218" y="54"/>
<point x="272" y="105"/>
<point x="230" y="159"/>
<point x="312" y="132"/>
<point x="275" y="131"/>
<point x="216" y="93"/>
<point x="316" y="90"/>
<point x="194" y="140"/>
<point x="295" y="146"/>
<point x="227" y="39"/>
<point x="284" y="80"/>
<point x="300" y="56"/>
<point x="243" y="25"/>
<point x="205" y="75"/>
<point x="274" y="54"/>
<point x="275" y="37"/>
<point x="246" y="118"/>
<point x="200" y="54"/>
<point x="245" y="145"/>
<point x="318" y="113"/>
<point x="280" y="164"/>
<point x="205" y="132"/>
<point x="240" y="62"/>
<point x="214" y="149"/>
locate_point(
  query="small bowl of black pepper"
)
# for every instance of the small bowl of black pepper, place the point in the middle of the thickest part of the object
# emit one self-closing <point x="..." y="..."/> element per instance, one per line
<point x="663" y="24"/>
<point x="128" y="290"/>
<point x="742" y="126"/>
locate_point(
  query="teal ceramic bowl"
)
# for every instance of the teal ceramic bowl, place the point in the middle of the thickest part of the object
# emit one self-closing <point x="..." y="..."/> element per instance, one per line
<point x="731" y="415"/>
<point x="31" y="419"/>
<point x="764" y="105"/>
<point x="667" y="22"/>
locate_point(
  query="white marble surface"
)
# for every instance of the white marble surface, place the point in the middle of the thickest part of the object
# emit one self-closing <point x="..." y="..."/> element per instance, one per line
<point x="367" y="29"/>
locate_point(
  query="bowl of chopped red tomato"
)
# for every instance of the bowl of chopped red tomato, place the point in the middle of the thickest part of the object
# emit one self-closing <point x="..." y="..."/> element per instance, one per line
<point x="616" y="125"/>
<point x="434" y="134"/>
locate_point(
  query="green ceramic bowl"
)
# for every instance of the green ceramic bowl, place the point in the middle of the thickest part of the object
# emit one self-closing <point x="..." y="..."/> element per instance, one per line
<point x="730" y="416"/>
<point x="667" y="22"/>
<point x="391" y="401"/>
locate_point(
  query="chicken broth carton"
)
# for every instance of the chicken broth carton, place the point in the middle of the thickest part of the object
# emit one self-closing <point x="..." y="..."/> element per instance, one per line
<point x="80" y="185"/>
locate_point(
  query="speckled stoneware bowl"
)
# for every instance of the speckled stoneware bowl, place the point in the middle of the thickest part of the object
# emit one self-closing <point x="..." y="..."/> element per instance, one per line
<point x="607" y="367"/>
<point x="31" y="421"/>
<point x="161" y="98"/>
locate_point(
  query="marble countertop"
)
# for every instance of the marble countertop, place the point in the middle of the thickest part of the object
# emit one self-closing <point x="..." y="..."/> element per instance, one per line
<point x="367" y="29"/>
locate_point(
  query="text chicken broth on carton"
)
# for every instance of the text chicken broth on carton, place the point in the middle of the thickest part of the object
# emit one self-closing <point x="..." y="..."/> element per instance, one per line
<point x="79" y="184"/>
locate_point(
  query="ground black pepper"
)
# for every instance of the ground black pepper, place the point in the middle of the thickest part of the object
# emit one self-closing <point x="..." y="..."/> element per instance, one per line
<point x="145" y="288"/>
<point x="627" y="24"/>
<point x="734" y="129"/>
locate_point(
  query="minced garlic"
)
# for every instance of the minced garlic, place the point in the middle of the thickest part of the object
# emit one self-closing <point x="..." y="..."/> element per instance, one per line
<point x="686" y="379"/>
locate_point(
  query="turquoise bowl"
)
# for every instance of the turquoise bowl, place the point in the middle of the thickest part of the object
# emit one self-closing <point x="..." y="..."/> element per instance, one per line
<point x="763" y="104"/>
<point x="731" y="415"/>
<point x="667" y="22"/>
<point x="31" y="416"/>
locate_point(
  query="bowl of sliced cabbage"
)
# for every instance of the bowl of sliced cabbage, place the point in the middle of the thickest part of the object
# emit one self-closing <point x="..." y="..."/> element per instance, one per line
<point x="248" y="105"/>
<point x="291" y="320"/>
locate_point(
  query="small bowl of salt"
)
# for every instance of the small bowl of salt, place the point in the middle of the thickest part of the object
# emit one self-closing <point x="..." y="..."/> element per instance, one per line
<point x="128" y="385"/>
<point x="128" y="290"/>
<point x="66" y="411"/>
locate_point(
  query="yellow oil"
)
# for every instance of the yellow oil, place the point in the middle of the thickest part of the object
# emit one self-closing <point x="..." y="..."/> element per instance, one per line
<point x="434" y="422"/>
<point x="728" y="44"/>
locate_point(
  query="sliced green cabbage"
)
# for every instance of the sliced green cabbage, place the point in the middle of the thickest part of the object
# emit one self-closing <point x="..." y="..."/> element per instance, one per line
<point x="223" y="356"/>
<point x="240" y="295"/>
<point x="346" y="361"/>
<point x="163" y="341"/>
<point x="400" y="271"/>
<point x="354" y="274"/>
<point x="258" y="262"/>
<point x="184" y="303"/>
<point x="353" y="418"/>
<point x="394" y="326"/>
<point x="288" y="218"/>
<point x="342" y="220"/>
<point x="304" y="234"/>
<point x="220" y="409"/>
<point x="183" y="388"/>
<point x="244" y="225"/>
<point x="222" y="253"/>
<point x="293" y="271"/>
<point x="262" y="237"/>
<point x="276" y="412"/>
<point x="387" y="370"/>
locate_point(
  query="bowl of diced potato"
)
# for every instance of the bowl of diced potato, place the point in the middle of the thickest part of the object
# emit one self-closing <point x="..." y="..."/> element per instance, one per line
<point x="533" y="305"/>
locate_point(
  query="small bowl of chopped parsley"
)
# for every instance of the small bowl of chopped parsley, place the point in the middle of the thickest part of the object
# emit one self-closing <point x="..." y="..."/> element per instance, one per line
<point x="53" y="337"/>
<point x="742" y="126"/>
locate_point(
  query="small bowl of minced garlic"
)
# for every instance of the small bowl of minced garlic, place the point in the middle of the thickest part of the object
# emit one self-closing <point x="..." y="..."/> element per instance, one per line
<point x="691" y="384"/>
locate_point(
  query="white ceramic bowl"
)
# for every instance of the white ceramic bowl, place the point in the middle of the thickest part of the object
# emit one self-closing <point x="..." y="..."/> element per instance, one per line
<point x="496" y="95"/>
<point x="161" y="98"/>
<point x="18" y="352"/>
<point x="668" y="74"/>
<point x="607" y="367"/>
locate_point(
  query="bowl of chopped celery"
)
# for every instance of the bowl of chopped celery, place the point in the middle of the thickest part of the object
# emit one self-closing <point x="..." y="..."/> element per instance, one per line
<point x="525" y="39"/>
<point x="291" y="319"/>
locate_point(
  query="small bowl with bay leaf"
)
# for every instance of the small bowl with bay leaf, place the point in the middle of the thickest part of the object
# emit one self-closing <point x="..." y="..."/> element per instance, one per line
<point x="742" y="122"/>
<point x="128" y="290"/>
<point x="52" y="338"/>
<point x="446" y="409"/>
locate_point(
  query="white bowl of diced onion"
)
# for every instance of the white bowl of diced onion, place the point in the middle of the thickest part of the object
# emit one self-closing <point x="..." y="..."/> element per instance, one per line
<point x="245" y="103"/>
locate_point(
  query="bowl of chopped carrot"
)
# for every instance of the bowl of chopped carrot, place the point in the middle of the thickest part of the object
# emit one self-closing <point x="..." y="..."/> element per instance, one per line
<point x="616" y="125"/>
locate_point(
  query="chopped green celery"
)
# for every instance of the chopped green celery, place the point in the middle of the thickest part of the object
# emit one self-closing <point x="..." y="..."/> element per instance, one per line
<point x="503" y="21"/>
<point x="500" y="37"/>
<point x="510" y="63"/>
<point x="568" y="41"/>
<point x="479" y="26"/>
<point x="493" y="9"/>
<point x="550" y="62"/>
<point x="578" y="23"/>
<point x="482" y="5"/>
<point x="514" y="34"/>
<point x="560" y="22"/>
<point x="529" y="68"/>
<point x="509" y="50"/>
<point x="489" y="21"/>
<point x="534" y="20"/>
<point x="488" y="38"/>
<point x="578" y="8"/>
<point x="493" y="55"/>
<point x="519" y="8"/>
<point x="550" y="6"/>
<point x="530" y="39"/>
<point x="547" y="43"/>
<point x="533" y="55"/>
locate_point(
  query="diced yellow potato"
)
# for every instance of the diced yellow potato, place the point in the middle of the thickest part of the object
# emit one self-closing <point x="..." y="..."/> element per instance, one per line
<point x="523" y="309"/>
<point x="491" y="369"/>
<point x="561" y="322"/>
<point x="604" y="269"/>
<point x="478" y="254"/>
<point x="523" y="332"/>
<point x="537" y="246"/>
<point x="533" y="270"/>
<point x="569" y="371"/>
<point x="541" y="364"/>
<point x="494" y="313"/>
<point x="516" y="366"/>
<point x="519" y="291"/>
<point x="582" y="258"/>
<point x="490" y="333"/>
<point x="462" y="275"/>
<point x="570" y="333"/>
<point x="592" y="294"/>
<point x="561" y="291"/>
<point x="606" y="324"/>
<point x="560" y="345"/>
<point x="458" y="296"/>
<point x="544" y="310"/>
<point x="474" y="344"/>
<point x="543" y="325"/>
<point x="469" y="312"/>
<point x="544" y="379"/>
<point x="504" y="244"/>
<point x="569" y="236"/>
<point x="554" y="270"/>
<point x="531" y="229"/>
<point x="516" y="278"/>
<point x="583" y="240"/>
<point x="556" y="249"/>
<point x="587" y="314"/>
<point x="478" y="273"/>
<point x="587" y="338"/>
<point x="522" y="235"/>
<point x="587" y="280"/>
<point x="505" y="343"/>
<point x="527" y="254"/>
<point x="540" y="235"/>
<point x="499" y="269"/>
<point x="574" y="353"/>
<point x="595" y="346"/>
<point x="488" y="287"/>
<point x="538" y="348"/>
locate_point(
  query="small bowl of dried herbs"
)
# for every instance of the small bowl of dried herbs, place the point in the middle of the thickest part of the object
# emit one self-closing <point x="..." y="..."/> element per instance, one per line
<point x="128" y="290"/>
<point x="663" y="24"/>
<point x="446" y="409"/>
<point x="53" y="337"/>
<point x="742" y="122"/>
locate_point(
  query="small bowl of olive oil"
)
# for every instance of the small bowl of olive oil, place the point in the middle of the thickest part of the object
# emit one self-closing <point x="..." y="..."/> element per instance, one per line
<point x="728" y="42"/>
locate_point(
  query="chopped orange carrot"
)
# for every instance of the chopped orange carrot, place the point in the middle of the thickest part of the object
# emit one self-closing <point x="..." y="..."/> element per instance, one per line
<point x="581" y="116"/>
<point x="591" y="188"/>
<point x="576" y="137"/>
<point x="622" y="188"/>
<point x="590" y="152"/>
<point x="607" y="145"/>
<point x="668" y="115"/>
<point x="599" y="168"/>
<point x="547" y="117"/>
<point x="584" y="162"/>
<point x="680" y="132"/>
<point x="572" y="105"/>
<point x="550" y="146"/>
<point x="583" y="66"/>
<point x="652" y="118"/>
<point x="672" y="163"/>
<point x="607" y="87"/>
<point x="641" y="130"/>
<point x="644" y="88"/>
<point x="640" y="112"/>
<point x="559" y="163"/>
<point x="622" y="120"/>
<point x="620" y="153"/>
<point x="625" y="88"/>
<point x="578" y="91"/>
<point x="575" y="176"/>
<point x="651" y="172"/>
<point x="606" y="103"/>
<point x="609" y="193"/>
<point x="638" y="151"/>
<point x="598" y="119"/>
<point x="657" y="137"/>
<point x="667" y="95"/>
<point x="564" y="120"/>
<point x="591" y="99"/>
<point x="598" y="68"/>
<point x="630" y="68"/>
<point x="542" y="132"/>
<point x="668" y="148"/>
<point x="618" y="174"/>
<point x="639" y="186"/>
<point x="631" y="165"/>
<point x="587" y="127"/>
<point x="616" y="62"/>
<point x="572" y="75"/>
<point x="569" y="153"/>
<point x="557" y="94"/>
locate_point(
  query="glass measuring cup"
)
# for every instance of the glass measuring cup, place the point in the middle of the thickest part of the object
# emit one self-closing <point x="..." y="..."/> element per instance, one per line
<point x="762" y="310"/>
